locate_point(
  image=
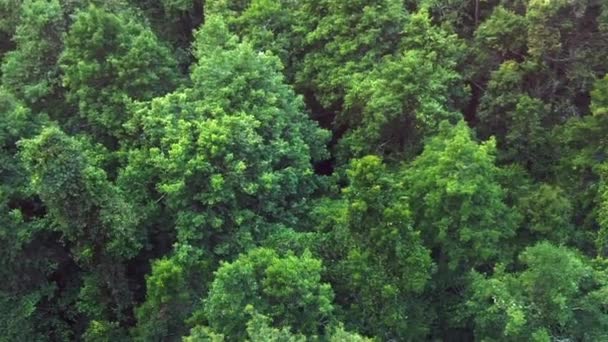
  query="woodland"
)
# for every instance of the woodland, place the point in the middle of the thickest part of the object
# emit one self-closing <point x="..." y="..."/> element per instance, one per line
<point x="303" y="170"/>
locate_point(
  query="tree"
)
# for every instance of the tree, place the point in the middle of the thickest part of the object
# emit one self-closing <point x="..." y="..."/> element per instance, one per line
<point x="503" y="35"/>
<point x="343" y="39"/>
<point x="458" y="205"/>
<point x="259" y="329"/>
<point x="172" y="289"/>
<point x="286" y="289"/>
<point x="34" y="263"/>
<point x="463" y="16"/>
<point x="8" y="23"/>
<point x="174" y="22"/>
<point x="450" y="179"/>
<point x="556" y="296"/>
<point x="92" y="216"/>
<point x="582" y="151"/>
<point x="268" y="26"/>
<point x="389" y="109"/>
<point x="376" y="260"/>
<point x="234" y="152"/>
<point x="109" y="60"/>
<point x="547" y="213"/>
<point x="31" y="71"/>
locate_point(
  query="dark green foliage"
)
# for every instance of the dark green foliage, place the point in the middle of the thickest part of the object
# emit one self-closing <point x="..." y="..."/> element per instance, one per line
<point x="89" y="211"/>
<point x="92" y="216"/>
<point x="172" y="291"/>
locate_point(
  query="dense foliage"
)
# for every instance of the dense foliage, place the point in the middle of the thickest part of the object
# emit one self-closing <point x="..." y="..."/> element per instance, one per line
<point x="303" y="170"/>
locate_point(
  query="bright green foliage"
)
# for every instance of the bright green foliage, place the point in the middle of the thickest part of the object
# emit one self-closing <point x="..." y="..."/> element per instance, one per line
<point x="250" y="82"/>
<point x="420" y="33"/>
<point x="377" y="217"/>
<point x="599" y="95"/>
<point x="31" y="70"/>
<point x="109" y="60"/>
<point x="458" y="205"/>
<point x="557" y="294"/>
<point x="339" y="334"/>
<point x="382" y="264"/>
<point x="266" y="25"/>
<point x="259" y="329"/>
<point x="286" y="289"/>
<point x="103" y="331"/>
<point x="172" y="289"/>
<point x="344" y="38"/>
<point x="235" y="151"/>
<point x="203" y="334"/>
<point x="90" y="211"/>
<point x="457" y="202"/>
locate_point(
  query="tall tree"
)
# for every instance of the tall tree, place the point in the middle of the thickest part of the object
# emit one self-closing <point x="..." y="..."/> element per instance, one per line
<point x="268" y="26"/>
<point x="172" y="290"/>
<point x="376" y="261"/>
<point x="31" y="71"/>
<point x="109" y="60"/>
<point x="342" y="39"/>
<point x="286" y="289"/>
<point x="458" y="205"/>
<point x="32" y="258"/>
<point x="234" y="152"/>
<point x="92" y="216"/>
<point x="558" y="295"/>
<point x="389" y="109"/>
<point x="580" y="171"/>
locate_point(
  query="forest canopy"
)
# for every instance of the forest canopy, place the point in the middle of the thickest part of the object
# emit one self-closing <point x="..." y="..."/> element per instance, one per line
<point x="303" y="170"/>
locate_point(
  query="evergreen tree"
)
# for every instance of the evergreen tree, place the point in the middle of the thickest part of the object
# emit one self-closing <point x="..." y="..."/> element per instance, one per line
<point x="379" y="266"/>
<point x="109" y="60"/>
<point x="558" y="295"/>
